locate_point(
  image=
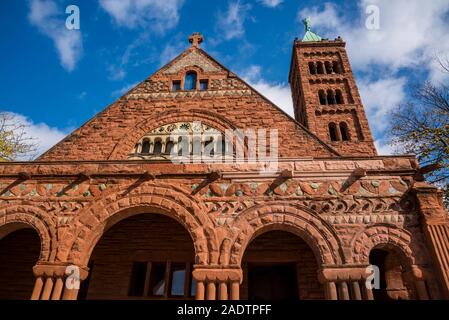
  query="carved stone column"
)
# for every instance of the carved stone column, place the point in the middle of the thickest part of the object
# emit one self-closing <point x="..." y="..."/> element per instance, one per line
<point x="435" y="224"/>
<point x="51" y="282"/>
<point x="217" y="284"/>
<point x="344" y="283"/>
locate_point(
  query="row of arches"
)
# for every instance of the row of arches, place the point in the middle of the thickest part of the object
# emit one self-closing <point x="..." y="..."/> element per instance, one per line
<point x="327" y="67"/>
<point x="339" y="132"/>
<point x="149" y="255"/>
<point x="330" y="97"/>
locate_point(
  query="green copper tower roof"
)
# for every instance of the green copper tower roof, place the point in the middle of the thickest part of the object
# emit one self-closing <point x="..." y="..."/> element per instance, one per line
<point x="309" y="36"/>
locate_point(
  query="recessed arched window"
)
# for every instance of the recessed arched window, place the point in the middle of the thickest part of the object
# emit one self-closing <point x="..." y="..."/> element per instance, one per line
<point x="312" y="67"/>
<point x="344" y="131"/>
<point x="339" y="97"/>
<point x="331" y="97"/>
<point x="157" y="147"/>
<point x="336" y="67"/>
<point x="323" y="98"/>
<point x="145" y="146"/>
<point x="333" y="131"/>
<point x="320" y="67"/>
<point x="329" y="68"/>
<point x="169" y="147"/>
<point x="190" y="81"/>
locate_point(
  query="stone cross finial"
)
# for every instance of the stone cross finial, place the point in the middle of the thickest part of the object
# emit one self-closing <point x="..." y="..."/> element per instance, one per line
<point x="196" y="39"/>
<point x="307" y="23"/>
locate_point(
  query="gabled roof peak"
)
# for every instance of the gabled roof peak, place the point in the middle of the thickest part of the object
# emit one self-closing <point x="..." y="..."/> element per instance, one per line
<point x="196" y="39"/>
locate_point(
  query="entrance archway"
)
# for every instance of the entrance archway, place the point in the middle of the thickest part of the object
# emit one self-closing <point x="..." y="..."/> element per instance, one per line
<point x="395" y="278"/>
<point x="145" y="256"/>
<point x="20" y="246"/>
<point x="279" y="265"/>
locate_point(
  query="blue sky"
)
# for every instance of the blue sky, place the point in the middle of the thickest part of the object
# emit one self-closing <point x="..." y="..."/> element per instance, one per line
<point x="55" y="79"/>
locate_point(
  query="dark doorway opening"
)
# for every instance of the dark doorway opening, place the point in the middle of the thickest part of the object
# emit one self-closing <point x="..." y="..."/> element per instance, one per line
<point x="273" y="282"/>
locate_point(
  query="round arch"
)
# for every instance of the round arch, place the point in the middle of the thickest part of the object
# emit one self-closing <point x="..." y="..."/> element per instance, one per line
<point x="150" y="198"/>
<point x="284" y="217"/>
<point x="126" y="144"/>
<point x="13" y="218"/>
<point x="379" y="236"/>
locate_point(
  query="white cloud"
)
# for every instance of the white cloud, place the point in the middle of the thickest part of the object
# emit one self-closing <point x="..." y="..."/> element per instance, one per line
<point x="271" y="3"/>
<point x="380" y="97"/>
<point x="159" y="15"/>
<point x="410" y="33"/>
<point x="120" y="92"/>
<point x="41" y="134"/>
<point x="278" y="93"/>
<point x="231" y="22"/>
<point x="48" y="18"/>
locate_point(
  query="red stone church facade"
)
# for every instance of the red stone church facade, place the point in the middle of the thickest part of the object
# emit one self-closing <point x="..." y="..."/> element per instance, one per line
<point x="108" y="201"/>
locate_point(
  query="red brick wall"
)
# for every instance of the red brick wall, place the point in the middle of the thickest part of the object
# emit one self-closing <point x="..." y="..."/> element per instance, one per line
<point x="19" y="252"/>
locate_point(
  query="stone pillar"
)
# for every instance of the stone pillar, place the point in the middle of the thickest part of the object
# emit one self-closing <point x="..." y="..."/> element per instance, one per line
<point x="435" y="225"/>
<point x="50" y="282"/>
<point x="212" y="279"/>
<point x="420" y="284"/>
<point x="342" y="283"/>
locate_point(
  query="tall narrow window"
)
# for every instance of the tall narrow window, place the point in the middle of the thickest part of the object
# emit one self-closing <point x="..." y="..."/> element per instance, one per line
<point x="190" y="81"/>
<point x="336" y="67"/>
<point x="344" y="131"/>
<point x="339" y="97"/>
<point x="157" y="147"/>
<point x="329" y="69"/>
<point x="169" y="147"/>
<point x="323" y="98"/>
<point x="333" y="132"/>
<point x="312" y="68"/>
<point x="320" y="67"/>
<point x="157" y="279"/>
<point x="146" y="147"/>
<point x="177" y="279"/>
<point x="331" y="97"/>
<point x="137" y="282"/>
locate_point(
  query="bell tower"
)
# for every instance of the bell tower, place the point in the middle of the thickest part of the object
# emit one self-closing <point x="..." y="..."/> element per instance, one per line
<point x="325" y="95"/>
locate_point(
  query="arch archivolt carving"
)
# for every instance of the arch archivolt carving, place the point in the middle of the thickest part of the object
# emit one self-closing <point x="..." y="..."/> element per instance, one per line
<point x="321" y="238"/>
<point x="79" y="242"/>
<point x="39" y="220"/>
<point x="381" y="235"/>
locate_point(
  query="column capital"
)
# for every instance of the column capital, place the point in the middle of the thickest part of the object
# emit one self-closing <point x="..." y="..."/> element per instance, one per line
<point x="49" y="269"/>
<point x="343" y="273"/>
<point x="430" y="202"/>
<point x="203" y="273"/>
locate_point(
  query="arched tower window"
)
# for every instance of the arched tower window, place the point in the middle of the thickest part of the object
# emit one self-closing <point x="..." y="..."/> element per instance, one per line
<point x="312" y="68"/>
<point x="336" y="67"/>
<point x="190" y="81"/>
<point x="329" y="68"/>
<point x="323" y="98"/>
<point x="344" y="131"/>
<point x="339" y="97"/>
<point x="333" y="132"/>
<point x="331" y="97"/>
<point x="320" y="67"/>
